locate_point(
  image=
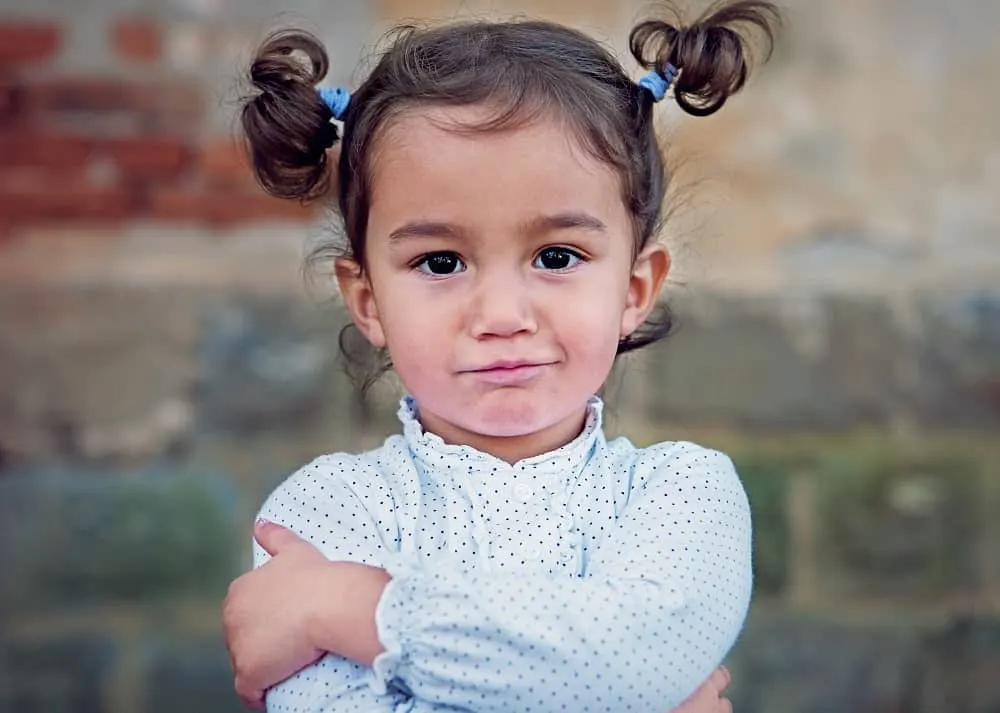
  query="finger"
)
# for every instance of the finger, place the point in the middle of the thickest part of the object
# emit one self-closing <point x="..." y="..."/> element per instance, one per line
<point x="725" y="705"/>
<point x="254" y="704"/>
<point x="273" y="537"/>
<point x="251" y="698"/>
<point x="719" y="679"/>
<point x="728" y="676"/>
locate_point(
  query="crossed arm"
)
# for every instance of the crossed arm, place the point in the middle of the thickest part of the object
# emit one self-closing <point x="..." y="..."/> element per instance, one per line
<point x="661" y="604"/>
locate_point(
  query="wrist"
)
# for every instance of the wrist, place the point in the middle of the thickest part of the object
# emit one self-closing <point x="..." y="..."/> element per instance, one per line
<point x="342" y="606"/>
<point x="322" y="609"/>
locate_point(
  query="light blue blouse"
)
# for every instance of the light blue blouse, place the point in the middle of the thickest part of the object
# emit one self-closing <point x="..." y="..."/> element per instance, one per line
<point x="596" y="577"/>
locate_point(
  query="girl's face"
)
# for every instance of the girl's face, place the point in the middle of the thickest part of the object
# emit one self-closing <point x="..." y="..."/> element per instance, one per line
<point x="500" y="276"/>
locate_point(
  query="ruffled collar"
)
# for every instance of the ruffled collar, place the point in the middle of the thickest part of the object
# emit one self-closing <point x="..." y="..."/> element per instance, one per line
<point x="438" y="455"/>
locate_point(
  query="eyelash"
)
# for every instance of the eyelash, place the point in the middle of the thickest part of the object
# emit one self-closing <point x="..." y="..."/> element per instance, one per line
<point x="574" y="254"/>
<point x="424" y="259"/>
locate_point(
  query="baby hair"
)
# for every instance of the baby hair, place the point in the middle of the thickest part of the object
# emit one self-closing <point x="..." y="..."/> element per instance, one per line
<point x="520" y="70"/>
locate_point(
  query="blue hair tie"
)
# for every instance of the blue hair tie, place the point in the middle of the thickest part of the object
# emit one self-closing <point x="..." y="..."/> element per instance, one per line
<point x="338" y="99"/>
<point x="657" y="83"/>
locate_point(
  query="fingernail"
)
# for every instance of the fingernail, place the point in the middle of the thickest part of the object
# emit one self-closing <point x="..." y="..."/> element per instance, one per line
<point x="261" y="522"/>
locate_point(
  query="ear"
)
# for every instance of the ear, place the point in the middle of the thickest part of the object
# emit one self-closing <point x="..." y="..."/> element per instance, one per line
<point x="648" y="273"/>
<point x="360" y="300"/>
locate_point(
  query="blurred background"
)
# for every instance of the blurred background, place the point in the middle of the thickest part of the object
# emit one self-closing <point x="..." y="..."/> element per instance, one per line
<point x="163" y="363"/>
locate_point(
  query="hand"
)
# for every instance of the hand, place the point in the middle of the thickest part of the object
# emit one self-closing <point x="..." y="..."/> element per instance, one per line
<point x="708" y="698"/>
<point x="289" y="612"/>
<point x="265" y="616"/>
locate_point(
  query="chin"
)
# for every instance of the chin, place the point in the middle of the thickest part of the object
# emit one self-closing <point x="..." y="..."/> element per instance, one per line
<point x="495" y="428"/>
<point x="509" y="418"/>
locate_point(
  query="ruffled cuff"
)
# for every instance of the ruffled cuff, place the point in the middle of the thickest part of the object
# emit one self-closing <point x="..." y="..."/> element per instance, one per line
<point x="393" y="613"/>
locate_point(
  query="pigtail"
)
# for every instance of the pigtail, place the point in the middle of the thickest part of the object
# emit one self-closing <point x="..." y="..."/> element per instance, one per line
<point x="286" y="125"/>
<point x="711" y="55"/>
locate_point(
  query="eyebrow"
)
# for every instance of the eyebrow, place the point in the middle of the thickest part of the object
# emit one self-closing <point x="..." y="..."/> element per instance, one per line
<point x="425" y="229"/>
<point x="536" y="226"/>
<point x="565" y="221"/>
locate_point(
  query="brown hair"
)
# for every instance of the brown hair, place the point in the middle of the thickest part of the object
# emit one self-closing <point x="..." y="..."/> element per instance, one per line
<point x="524" y="69"/>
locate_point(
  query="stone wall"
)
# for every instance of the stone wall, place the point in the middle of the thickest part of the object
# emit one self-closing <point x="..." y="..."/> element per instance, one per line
<point x="163" y="366"/>
<point x="141" y="427"/>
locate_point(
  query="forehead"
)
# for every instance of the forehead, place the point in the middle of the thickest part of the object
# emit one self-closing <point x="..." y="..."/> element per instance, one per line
<point x="437" y="159"/>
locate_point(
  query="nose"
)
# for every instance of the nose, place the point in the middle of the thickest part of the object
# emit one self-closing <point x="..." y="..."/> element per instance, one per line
<point x="501" y="307"/>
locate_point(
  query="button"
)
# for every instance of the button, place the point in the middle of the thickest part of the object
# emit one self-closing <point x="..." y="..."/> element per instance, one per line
<point x="523" y="492"/>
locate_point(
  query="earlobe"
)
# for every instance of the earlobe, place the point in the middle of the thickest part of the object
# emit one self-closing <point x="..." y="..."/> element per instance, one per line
<point x="360" y="300"/>
<point x="648" y="274"/>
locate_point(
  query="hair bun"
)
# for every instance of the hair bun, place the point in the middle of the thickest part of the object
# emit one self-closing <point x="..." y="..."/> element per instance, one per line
<point x="286" y="125"/>
<point x="711" y="54"/>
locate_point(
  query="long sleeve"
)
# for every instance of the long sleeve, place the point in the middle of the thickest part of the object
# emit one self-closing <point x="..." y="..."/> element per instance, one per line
<point x="662" y="601"/>
<point x="328" y="512"/>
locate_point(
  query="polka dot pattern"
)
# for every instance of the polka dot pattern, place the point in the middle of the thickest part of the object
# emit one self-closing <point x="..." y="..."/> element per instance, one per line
<point x="597" y="577"/>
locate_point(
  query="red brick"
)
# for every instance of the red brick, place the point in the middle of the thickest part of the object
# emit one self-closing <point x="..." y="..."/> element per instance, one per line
<point x="160" y="104"/>
<point x="224" y="209"/>
<point x="224" y="163"/>
<point x="150" y="157"/>
<point x="14" y="178"/>
<point x="22" y="42"/>
<point x="257" y="206"/>
<point x="46" y="197"/>
<point x="48" y="150"/>
<point x="137" y="40"/>
<point x="84" y="94"/>
<point x="11" y="99"/>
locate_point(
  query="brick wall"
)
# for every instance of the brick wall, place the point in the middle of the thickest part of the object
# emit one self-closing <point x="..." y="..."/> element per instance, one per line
<point x="91" y="149"/>
<point x="162" y="366"/>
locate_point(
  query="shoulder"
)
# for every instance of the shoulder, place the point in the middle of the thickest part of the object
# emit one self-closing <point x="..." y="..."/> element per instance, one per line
<point x="684" y="460"/>
<point x="336" y="499"/>
<point x="678" y="466"/>
<point x="327" y="479"/>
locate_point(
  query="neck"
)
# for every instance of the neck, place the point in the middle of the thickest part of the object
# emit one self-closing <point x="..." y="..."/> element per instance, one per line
<point x="508" y="448"/>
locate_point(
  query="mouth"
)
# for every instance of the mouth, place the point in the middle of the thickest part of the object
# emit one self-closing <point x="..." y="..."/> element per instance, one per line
<point x="509" y="372"/>
<point x="509" y="365"/>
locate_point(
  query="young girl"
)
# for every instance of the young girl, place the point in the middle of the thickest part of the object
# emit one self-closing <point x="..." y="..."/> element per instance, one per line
<point x="501" y="188"/>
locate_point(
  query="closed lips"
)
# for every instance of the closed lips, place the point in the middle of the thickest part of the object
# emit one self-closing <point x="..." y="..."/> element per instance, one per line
<point x="509" y="365"/>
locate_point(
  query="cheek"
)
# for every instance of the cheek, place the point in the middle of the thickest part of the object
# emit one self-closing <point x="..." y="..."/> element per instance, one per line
<point x="591" y="363"/>
<point x="416" y="340"/>
<point x="601" y="347"/>
<point x="593" y="336"/>
<point x="417" y="364"/>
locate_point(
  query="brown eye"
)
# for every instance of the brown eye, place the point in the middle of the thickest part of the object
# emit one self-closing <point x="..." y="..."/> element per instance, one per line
<point x="557" y="259"/>
<point x="441" y="264"/>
